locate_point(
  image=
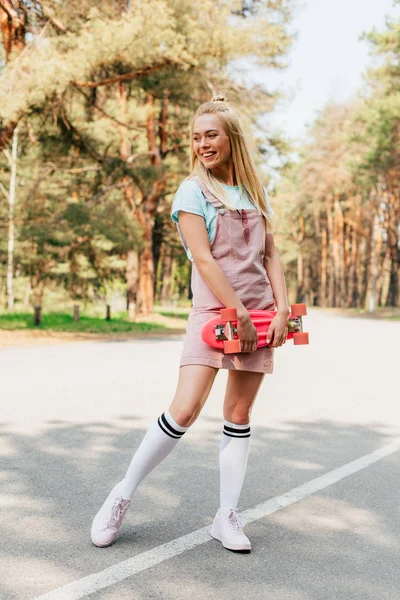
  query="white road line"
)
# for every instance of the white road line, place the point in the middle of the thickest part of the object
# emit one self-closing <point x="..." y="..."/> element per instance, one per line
<point x="98" y="581"/>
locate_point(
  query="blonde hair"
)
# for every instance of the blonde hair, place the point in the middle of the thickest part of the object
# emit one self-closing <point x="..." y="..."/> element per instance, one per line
<point x="244" y="169"/>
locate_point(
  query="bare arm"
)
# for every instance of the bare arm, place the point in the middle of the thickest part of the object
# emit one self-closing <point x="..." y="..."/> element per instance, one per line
<point x="195" y="233"/>
<point x="273" y="266"/>
<point x="277" y="330"/>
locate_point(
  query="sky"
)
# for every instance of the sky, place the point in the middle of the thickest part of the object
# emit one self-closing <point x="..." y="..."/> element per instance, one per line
<point x="327" y="60"/>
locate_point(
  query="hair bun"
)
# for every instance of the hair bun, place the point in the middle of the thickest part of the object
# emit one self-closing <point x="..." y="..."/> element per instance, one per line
<point x="218" y="99"/>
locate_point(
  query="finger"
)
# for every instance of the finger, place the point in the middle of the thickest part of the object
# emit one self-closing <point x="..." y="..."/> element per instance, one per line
<point x="277" y="341"/>
<point x="283" y="339"/>
<point x="252" y="346"/>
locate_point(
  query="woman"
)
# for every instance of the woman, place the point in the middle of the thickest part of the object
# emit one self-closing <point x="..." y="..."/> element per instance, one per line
<point x="223" y="218"/>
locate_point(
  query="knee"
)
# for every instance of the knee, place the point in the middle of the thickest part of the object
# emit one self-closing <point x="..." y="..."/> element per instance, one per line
<point x="185" y="417"/>
<point x="238" y="416"/>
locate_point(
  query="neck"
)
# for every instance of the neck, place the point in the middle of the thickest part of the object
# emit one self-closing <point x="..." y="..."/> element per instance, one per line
<point x="225" y="174"/>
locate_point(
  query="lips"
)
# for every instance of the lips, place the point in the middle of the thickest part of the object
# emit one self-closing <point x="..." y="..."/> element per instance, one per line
<point x="208" y="155"/>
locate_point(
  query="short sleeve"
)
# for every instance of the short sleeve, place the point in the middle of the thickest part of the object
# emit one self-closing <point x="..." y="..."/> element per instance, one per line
<point x="188" y="198"/>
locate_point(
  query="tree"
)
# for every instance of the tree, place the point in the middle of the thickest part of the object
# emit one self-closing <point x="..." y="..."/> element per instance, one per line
<point x="119" y="85"/>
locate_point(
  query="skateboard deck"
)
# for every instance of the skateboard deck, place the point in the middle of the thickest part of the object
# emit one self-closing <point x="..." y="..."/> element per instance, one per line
<point x="221" y="331"/>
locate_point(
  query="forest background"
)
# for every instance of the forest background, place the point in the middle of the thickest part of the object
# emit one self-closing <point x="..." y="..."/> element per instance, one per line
<point x="95" y="101"/>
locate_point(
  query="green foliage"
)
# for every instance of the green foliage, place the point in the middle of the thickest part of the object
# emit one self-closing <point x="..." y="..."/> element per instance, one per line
<point x="85" y="90"/>
<point x="175" y="36"/>
<point x="64" y="322"/>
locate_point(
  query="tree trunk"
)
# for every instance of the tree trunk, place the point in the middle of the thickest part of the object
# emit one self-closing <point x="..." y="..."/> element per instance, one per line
<point x="372" y="265"/>
<point x="12" y="25"/>
<point x="158" y="234"/>
<point x="76" y="316"/>
<point x="379" y="257"/>
<point x="146" y="282"/>
<point x="331" y="252"/>
<point x="353" y="271"/>
<point x="146" y="216"/>
<point x="11" y="204"/>
<point x="37" y="315"/>
<point x="300" y="275"/>
<point x="393" y="245"/>
<point x="38" y="289"/>
<point x="338" y="240"/>
<point x="163" y="135"/>
<point x="166" y="278"/>
<point x="324" y="261"/>
<point x="347" y="261"/>
<point x="132" y="271"/>
<point x="385" y="278"/>
<point x="298" y="236"/>
<point x="370" y="300"/>
<point x="309" y="294"/>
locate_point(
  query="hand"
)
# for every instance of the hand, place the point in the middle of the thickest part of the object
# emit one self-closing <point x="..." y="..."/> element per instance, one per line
<point x="247" y="333"/>
<point x="278" y="330"/>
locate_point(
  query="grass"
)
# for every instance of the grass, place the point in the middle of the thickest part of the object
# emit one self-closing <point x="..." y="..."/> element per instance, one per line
<point x="58" y="321"/>
<point x="175" y="315"/>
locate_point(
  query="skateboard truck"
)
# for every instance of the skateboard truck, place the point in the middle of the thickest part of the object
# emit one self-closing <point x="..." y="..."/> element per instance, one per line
<point x="220" y="331"/>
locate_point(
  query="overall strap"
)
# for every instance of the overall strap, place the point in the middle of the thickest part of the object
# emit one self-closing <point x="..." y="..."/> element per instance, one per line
<point x="209" y="195"/>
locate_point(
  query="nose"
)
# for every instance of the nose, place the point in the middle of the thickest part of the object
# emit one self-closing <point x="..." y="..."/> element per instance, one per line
<point x="203" y="142"/>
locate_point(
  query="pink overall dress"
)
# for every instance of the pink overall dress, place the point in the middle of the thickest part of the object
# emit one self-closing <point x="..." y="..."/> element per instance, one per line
<point x="243" y="264"/>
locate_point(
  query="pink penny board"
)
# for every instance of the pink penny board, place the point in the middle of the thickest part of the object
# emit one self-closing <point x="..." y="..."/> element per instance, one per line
<point x="221" y="331"/>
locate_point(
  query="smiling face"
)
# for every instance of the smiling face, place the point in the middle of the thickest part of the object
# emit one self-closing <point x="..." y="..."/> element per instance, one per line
<point x="210" y="142"/>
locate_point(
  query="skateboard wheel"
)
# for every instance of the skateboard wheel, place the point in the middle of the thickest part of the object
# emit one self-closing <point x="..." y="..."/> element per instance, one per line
<point x="298" y="310"/>
<point x="228" y="314"/>
<point x="300" y="339"/>
<point x="232" y="346"/>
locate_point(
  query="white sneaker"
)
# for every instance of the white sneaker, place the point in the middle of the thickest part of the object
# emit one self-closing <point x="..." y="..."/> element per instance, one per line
<point x="227" y="528"/>
<point x="109" y="519"/>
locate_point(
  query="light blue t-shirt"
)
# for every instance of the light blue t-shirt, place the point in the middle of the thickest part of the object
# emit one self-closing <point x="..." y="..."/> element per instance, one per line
<point x="190" y="198"/>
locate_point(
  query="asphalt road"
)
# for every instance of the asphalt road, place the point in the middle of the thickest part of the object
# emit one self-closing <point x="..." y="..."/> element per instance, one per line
<point x="322" y="526"/>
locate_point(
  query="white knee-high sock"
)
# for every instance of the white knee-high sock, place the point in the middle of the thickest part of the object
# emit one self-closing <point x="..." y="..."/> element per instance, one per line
<point x="158" y="442"/>
<point x="233" y="455"/>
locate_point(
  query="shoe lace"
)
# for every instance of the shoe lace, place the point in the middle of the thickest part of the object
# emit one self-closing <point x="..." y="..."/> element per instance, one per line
<point x="234" y="521"/>
<point x="118" y="511"/>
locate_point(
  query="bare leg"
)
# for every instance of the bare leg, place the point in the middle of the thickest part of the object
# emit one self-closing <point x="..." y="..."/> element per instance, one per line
<point x="241" y="391"/>
<point x="194" y="385"/>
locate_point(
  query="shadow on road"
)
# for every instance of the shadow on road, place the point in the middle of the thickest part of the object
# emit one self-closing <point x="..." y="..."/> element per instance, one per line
<point x="53" y="483"/>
